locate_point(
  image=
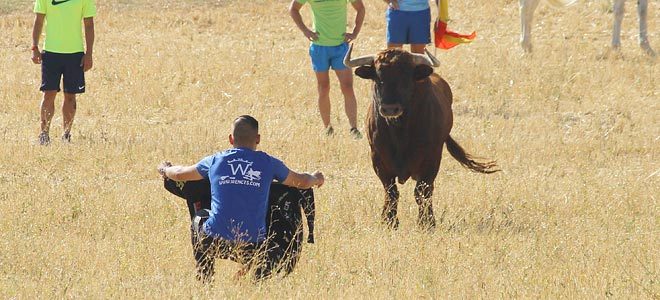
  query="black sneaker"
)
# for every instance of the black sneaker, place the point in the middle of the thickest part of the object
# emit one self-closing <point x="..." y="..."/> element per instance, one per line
<point x="355" y="133"/>
<point x="66" y="137"/>
<point x="329" y="131"/>
<point x="44" y="139"/>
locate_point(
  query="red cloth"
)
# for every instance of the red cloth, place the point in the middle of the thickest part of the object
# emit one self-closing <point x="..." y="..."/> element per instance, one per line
<point x="445" y="39"/>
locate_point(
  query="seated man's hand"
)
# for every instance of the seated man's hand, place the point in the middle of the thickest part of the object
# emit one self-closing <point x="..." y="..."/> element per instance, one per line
<point x="161" y="168"/>
<point x="320" y="179"/>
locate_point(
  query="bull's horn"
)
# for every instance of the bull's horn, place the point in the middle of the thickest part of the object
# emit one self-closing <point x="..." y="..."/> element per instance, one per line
<point x="436" y="62"/>
<point x="426" y="59"/>
<point x="356" y="62"/>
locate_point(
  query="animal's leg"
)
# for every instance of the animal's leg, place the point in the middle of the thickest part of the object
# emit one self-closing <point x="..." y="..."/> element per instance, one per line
<point x="527" y="8"/>
<point x="618" y="17"/>
<point x="423" y="193"/>
<point x="391" y="203"/>
<point x="642" y="12"/>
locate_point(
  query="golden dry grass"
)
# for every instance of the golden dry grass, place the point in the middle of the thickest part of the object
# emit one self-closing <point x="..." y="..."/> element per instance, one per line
<point x="574" y="214"/>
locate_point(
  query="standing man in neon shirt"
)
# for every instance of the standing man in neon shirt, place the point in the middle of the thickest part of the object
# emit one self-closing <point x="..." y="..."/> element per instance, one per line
<point x="63" y="56"/>
<point x="329" y="46"/>
<point x="408" y="22"/>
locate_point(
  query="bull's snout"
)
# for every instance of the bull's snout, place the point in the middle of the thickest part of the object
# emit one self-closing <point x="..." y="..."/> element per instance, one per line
<point x="391" y="110"/>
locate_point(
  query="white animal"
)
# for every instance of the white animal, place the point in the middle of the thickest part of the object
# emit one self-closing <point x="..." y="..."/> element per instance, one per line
<point x="527" y="8"/>
<point x="253" y="175"/>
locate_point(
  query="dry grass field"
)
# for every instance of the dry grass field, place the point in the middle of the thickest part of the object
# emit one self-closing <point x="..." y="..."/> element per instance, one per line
<point x="573" y="214"/>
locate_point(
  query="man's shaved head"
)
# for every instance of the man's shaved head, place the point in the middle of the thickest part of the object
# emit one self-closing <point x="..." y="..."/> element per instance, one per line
<point x="245" y="130"/>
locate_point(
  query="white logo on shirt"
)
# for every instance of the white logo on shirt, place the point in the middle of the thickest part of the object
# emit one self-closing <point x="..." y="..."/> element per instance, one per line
<point x="242" y="168"/>
<point x="252" y="175"/>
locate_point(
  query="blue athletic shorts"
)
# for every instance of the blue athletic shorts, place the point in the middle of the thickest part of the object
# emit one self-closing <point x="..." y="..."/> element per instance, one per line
<point x="57" y="66"/>
<point x="324" y="57"/>
<point x="408" y="27"/>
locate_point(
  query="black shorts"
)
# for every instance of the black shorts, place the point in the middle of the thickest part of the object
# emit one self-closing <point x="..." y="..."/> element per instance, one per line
<point x="54" y="66"/>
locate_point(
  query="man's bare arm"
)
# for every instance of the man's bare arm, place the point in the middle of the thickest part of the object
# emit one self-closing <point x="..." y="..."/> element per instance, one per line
<point x="179" y="173"/>
<point x="304" y="180"/>
<point x="392" y="3"/>
<point x="294" y="12"/>
<point x="36" y="34"/>
<point x="359" y="19"/>
<point x="88" y="62"/>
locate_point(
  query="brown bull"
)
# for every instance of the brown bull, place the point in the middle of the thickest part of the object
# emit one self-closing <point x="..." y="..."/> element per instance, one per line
<point x="409" y="121"/>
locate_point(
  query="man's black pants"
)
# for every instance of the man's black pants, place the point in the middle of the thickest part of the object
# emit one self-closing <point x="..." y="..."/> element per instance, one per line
<point x="206" y="249"/>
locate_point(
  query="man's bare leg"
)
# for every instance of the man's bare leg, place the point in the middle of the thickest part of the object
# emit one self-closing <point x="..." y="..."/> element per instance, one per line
<point x="68" y="113"/>
<point x="414" y="48"/>
<point x="393" y="46"/>
<point x="417" y="48"/>
<point x="345" y="77"/>
<point x="47" y="111"/>
<point x="323" y="87"/>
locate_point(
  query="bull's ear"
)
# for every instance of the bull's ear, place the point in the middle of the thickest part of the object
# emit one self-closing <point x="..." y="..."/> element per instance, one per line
<point x="366" y="72"/>
<point x="422" y="71"/>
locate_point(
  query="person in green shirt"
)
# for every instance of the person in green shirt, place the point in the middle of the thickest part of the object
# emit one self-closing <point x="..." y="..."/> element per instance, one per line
<point x="329" y="44"/>
<point x="63" y="56"/>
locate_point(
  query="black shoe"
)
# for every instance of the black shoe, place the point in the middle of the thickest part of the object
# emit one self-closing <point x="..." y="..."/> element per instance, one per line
<point x="329" y="131"/>
<point x="44" y="139"/>
<point x="355" y="133"/>
<point x="66" y="137"/>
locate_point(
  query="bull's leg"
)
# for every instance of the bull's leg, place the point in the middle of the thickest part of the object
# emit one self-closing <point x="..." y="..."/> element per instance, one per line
<point x="616" y="30"/>
<point x="642" y="12"/>
<point x="391" y="202"/>
<point x="527" y="8"/>
<point x="423" y="193"/>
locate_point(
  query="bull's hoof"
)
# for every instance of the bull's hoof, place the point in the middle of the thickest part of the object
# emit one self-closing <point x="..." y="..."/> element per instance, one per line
<point x="613" y="52"/>
<point x="526" y="47"/>
<point x="646" y="47"/>
<point x="392" y="223"/>
<point x="426" y="223"/>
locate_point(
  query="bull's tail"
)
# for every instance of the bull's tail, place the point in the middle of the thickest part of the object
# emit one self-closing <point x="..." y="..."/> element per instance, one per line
<point x="561" y="3"/>
<point x="467" y="160"/>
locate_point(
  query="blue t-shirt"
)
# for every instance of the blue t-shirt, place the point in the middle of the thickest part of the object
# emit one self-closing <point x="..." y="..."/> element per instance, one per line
<point x="413" y="5"/>
<point x="240" y="183"/>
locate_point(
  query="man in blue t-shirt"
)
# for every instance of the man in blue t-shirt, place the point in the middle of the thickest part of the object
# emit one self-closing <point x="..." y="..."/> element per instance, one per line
<point x="240" y="182"/>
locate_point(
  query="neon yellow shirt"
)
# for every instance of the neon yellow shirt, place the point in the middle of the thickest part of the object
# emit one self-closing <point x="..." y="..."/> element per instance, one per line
<point x="329" y="18"/>
<point x="64" y="23"/>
